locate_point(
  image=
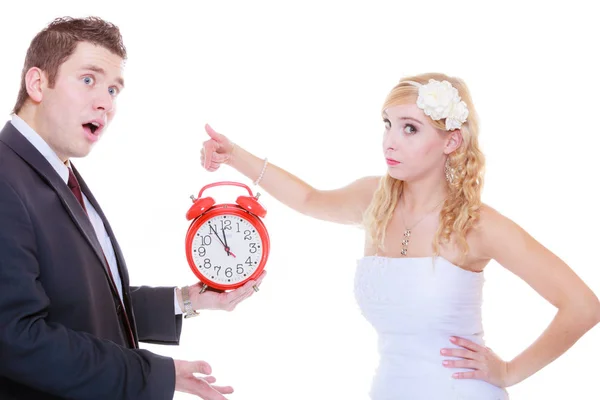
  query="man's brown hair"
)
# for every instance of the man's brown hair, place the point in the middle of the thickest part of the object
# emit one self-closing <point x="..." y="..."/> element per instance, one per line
<point x="51" y="47"/>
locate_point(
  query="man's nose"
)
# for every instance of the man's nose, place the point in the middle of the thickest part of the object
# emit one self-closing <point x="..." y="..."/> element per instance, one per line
<point x="104" y="101"/>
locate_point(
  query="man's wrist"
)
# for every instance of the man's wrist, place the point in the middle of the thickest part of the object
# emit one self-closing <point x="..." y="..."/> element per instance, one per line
<point x="186" y="302"/>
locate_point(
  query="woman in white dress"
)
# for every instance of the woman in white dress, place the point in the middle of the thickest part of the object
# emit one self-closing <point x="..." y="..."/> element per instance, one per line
<point x="428" y="240"/>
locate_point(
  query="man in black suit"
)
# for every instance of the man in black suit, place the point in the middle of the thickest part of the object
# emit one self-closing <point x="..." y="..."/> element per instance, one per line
<point x="70" y="324"/>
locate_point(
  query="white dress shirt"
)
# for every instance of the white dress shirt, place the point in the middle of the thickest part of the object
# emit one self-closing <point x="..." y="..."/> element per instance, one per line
<point x="63" y="171"/>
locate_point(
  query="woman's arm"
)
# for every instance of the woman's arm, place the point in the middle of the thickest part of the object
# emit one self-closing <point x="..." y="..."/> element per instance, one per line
<point x="344" y="205"/>
<point x="578" y="308"/>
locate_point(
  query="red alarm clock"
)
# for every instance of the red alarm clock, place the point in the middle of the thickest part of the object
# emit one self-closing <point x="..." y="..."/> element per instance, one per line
<point x="226" y="244"/>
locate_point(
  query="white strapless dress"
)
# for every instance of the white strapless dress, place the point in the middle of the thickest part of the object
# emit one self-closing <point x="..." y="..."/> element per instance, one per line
<point x="415" y="305"/>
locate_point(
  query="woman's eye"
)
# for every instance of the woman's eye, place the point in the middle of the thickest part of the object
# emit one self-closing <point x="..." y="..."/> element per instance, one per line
<point x="88" y="80"/>
<point x="387" y="123"/>
<point x="410" y="129"/>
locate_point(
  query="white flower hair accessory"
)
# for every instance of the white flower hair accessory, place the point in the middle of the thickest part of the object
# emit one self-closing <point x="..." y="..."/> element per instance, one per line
<point x="441" y="100"/>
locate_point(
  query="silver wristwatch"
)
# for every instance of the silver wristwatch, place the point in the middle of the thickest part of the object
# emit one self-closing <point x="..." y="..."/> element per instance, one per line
<point x="188" y="311"/>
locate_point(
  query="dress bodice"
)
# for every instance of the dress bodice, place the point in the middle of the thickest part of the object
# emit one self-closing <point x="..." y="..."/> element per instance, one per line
<point x="416" y="305"/>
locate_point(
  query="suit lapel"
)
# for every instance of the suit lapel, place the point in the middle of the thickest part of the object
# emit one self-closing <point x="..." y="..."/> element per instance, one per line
<point x="118" y="253"/>
<point x="121" y="266"/>
<point x="28" y="153"/>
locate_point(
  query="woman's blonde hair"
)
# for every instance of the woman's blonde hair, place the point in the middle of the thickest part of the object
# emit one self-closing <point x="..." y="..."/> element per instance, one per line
<point x="466" y="165"/>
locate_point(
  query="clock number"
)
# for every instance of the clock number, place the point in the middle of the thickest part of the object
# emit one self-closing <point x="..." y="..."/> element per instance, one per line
<point x="248" y="261"/>
<point x="207" y="263"/>
<point x="253" y="248"/>
<point x="247" y="235"/>
<point x="229" y="272"/>
<point x="206" y="240"/>
<point x="217" y="269"/>
<point x="240" y="269"/>
<point x="202" y="251"/>
<point x="238" y="224"/>
<point x="225" y="224"/>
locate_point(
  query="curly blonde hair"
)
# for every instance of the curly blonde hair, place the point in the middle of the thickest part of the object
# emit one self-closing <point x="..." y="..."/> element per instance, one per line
<point x="462" y="205"/>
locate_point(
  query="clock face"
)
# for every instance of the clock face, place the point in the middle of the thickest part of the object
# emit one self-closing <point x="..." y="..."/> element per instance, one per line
<point x="227" y="249"/>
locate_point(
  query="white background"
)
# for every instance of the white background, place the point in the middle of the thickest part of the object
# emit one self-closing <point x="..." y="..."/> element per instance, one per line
<point x="303" y="83"/>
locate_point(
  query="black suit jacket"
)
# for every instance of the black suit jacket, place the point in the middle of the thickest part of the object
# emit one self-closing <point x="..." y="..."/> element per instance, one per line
<point x="61" y="332"/>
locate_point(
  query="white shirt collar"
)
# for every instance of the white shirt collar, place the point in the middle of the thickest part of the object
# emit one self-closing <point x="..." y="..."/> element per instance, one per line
<point x="40" y="144"/>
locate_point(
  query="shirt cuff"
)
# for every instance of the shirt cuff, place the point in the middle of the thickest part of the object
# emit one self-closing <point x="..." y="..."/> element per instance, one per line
<point x="177" y="308"/>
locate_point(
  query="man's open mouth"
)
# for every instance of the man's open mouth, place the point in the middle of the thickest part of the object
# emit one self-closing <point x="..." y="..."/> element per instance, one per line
<point x="92" y="126"/>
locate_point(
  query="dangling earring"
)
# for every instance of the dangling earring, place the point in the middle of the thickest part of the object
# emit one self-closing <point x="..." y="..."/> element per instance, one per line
<point x="448" y="170"/>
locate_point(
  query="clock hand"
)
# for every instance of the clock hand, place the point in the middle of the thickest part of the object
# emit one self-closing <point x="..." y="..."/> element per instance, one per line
<point x="224" y="245"/>
<point x="225" y="237"/>
<point x="217" y="235"/>
<point x="227" y="249"/>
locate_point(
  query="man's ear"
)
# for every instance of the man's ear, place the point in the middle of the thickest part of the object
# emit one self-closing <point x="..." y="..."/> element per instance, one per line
<point x="35" y="82"/>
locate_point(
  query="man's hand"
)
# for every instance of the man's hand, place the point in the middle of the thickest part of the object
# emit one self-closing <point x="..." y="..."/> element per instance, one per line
<point x="186" y="381"/>
<point x="227" y="301"/>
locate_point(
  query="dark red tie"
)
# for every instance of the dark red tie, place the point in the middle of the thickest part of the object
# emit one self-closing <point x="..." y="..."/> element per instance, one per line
<point x="76" y="189"/>
<point x="74" y="186"/>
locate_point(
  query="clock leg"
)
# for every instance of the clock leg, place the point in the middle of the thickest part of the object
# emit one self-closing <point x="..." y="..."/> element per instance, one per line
<point x="203" y="288"/>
